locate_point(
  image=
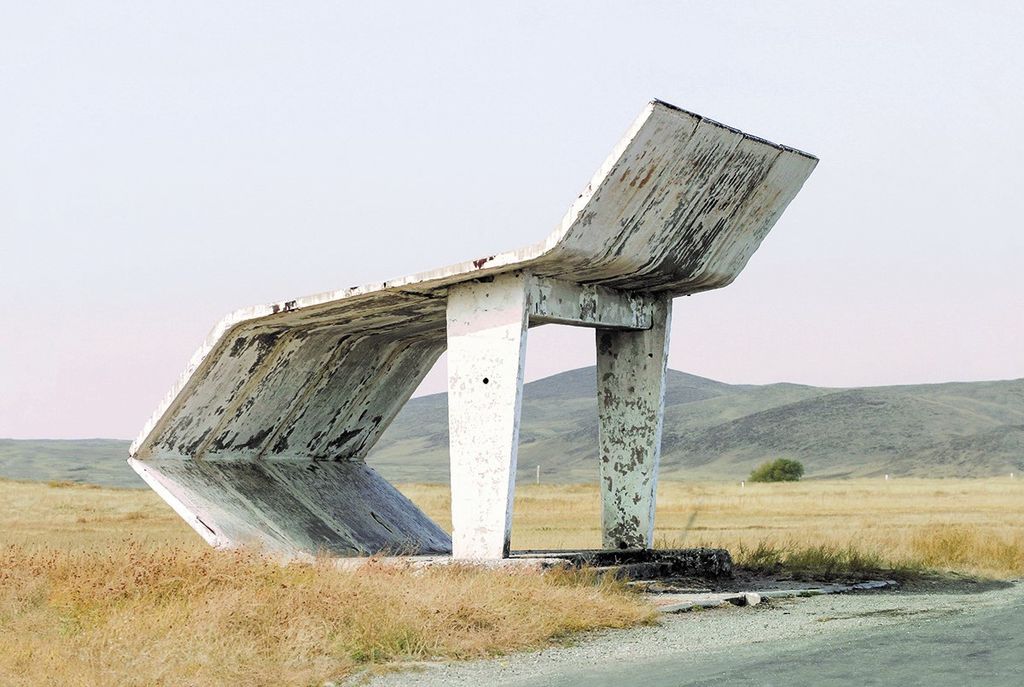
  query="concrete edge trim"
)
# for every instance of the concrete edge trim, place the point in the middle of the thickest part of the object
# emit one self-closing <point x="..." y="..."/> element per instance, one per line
<point x="753" y="598"/>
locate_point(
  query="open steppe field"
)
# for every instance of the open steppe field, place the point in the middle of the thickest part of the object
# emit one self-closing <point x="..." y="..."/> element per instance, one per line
<point x="104" y="586"/>
<point x="967" y="525"/>
<point x="974" y="526"/>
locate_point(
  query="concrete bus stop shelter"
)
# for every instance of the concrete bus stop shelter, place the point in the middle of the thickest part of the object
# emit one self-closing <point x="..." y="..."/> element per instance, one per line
<point x="263" y="439"/>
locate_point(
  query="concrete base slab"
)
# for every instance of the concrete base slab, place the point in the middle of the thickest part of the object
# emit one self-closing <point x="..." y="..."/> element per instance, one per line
<point x="648" y="564"/>
<point x="511" y="564"/>
<point x="630" y="564"/>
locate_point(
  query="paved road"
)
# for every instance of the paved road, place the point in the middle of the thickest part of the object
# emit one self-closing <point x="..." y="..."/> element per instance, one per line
<point x="949" y="647"/>
<point x="963" y="638"/>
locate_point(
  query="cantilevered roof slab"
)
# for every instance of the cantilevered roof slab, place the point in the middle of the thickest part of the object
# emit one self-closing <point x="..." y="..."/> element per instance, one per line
<point x="278" y="391"/>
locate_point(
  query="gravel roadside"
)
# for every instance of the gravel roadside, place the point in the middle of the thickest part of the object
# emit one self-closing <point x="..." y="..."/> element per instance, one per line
<point x="693" y="637"/>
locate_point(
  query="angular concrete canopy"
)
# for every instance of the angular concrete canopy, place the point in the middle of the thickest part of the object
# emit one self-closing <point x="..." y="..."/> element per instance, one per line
<point x="263" y="438"/>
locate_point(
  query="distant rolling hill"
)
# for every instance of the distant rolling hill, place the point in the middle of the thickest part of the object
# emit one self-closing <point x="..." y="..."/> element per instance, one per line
<point x="721" y="431"/>
<point x="95" y="461"/>
<point x="712" y="431"/>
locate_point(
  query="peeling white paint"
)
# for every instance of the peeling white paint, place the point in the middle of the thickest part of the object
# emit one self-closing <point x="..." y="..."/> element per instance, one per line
<point x="486" y="351"/>
<point x="553" y="301"/>
<point x="630" y="408"/>
<point x="306" y="387"/>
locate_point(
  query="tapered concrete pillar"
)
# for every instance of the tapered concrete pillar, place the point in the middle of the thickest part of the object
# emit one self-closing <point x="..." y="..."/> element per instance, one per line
<point x="630" y="401"/>
<point x="487" y="324"/>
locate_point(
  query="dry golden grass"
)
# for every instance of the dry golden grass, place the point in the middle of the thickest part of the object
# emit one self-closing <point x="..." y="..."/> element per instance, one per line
<point x="104" y="587"/>
<point x="973" y="526"/>
<point x="137" y="615"/>
<point x="107" y="587"/>
<point x="67" y="517"/>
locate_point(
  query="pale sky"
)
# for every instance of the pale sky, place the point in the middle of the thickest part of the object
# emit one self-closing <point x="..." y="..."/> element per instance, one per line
<point x="162" y="164"/>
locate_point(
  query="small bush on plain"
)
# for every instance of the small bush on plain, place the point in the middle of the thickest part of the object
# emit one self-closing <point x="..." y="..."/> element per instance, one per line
<point x="781" y="470"/>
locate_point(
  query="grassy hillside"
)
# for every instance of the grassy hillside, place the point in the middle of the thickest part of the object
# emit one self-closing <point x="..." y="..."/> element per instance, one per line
<point x="721" y="431"/>
<point x="712" y="431"/>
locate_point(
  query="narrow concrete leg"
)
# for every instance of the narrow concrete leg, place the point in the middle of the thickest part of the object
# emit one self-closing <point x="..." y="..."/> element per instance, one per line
<point x="631" y="403"/>
<point x="486" y="349"/>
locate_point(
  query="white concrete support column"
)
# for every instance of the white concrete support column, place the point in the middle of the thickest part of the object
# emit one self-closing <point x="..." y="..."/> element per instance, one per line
<point x="487" y="324"/>
<point x="631" y="404"/>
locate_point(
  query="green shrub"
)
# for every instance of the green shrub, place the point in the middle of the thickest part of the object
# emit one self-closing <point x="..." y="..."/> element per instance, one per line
<point x="781" y="470"/>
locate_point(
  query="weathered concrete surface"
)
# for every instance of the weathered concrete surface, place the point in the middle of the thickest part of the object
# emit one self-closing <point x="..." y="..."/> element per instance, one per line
<point x="286" y="507"/>
<point x="646" y="564"/>
<point x="630" y="409"/>
<point x="677" y="208"/>
<point x="657" y="572"/>
<point x="486" y="351"/>
<point x="487" y="329"/>
<point x="553" y="301"/>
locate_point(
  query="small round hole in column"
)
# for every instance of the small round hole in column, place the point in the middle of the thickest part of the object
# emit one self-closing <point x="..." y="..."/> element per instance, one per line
<point x="486" y="380"/>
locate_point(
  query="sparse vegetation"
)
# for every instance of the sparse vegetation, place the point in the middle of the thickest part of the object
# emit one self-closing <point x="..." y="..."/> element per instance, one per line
<point x="108" y="587"/>
<point x="779" y="470"/>
<point x="101" y="586"/>
<point x="98" y="618"/>
<point x="822" y="561"/>
<point x="970" y="526"/>
<point x="141" y="615"/>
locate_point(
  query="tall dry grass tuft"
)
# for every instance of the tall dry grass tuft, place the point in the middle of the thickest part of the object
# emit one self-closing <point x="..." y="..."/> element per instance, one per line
<point x="938" y="547"/>
<point x="962" y="547"/>
<point x="821" y="561"/>
<point x="138" y="615"/>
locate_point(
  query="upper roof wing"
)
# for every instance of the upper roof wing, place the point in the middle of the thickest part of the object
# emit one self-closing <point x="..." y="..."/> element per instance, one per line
<point x="679" y="206"/>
